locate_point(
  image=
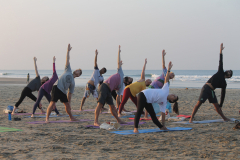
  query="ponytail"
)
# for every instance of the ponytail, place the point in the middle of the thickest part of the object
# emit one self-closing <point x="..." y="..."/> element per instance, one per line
<point x="175" y="108"/>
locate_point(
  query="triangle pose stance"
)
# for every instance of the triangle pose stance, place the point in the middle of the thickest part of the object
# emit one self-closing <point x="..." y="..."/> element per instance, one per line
<point x="92" y="84"/>
<point x="207" y="92"/>
<point x="64" y="82"/>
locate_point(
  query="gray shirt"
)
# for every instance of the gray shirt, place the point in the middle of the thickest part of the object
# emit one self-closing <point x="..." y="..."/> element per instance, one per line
<point x="121" y="86"/>
<point x="66" y="81"/>
<point x="35" y="84"/>
<point x="96" y="77"/>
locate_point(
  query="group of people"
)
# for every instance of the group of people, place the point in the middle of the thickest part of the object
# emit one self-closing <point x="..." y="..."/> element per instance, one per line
<point x="154" y="95"/>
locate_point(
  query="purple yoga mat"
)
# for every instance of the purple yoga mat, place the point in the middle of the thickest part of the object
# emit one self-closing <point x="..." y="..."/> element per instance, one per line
<point x="60" y="121"/>
<point x="128" y="123"/>
<point x="24" y="114"/>
<point x="131" y="112"/>
<point x="86" y="110"/>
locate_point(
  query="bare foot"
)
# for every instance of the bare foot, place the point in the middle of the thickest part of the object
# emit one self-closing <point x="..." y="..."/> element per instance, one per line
<point x="43" y="112"/>
<point x="47" y="121"/>
<point x="227" y="119"/>
<point x="80" y="109"/>
<point x="145" y="117"/>
<point x="164" y="128"/>
<point x="73" y="119"/>
<point x="32" y="115"/>
<point x="96" y="124"/>
<point x="59" y="115"/>
<point x="135" y="130"/>
<point x="190" y="120"/>
<point x="122" y="122"/>
<point x="119" y="115"/>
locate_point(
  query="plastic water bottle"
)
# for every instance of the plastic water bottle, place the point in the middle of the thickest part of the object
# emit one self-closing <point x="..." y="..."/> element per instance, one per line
<point x="9" y="116"/>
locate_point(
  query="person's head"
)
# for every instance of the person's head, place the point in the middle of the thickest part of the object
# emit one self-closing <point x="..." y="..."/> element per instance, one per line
<point x="171" y="75"/>
<point x="148" y="82"/>
<point x="228" y="73"/>
<point x="44" y="79"/>
<point x="77" y="73"/>
<point x="172" y="98"/>
<point x="103" y="70"/>
<point x="127" y="80"/>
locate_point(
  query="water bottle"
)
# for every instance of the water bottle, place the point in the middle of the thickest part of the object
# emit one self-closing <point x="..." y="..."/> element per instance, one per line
<point x="9" y="116"/>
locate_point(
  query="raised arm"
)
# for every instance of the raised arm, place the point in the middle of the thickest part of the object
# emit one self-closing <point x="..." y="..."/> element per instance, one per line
<point x="68" y="51"/>
<point x="143" y="70"/>
<point x="169" y="69"/>
<point x="220" y="67"/>
<point x="35" y="65"/>
<point x="163" y="59"/>
<point x="54" y="69"/>
<point x="95" y="60"/>
<point x="119" y="58"/>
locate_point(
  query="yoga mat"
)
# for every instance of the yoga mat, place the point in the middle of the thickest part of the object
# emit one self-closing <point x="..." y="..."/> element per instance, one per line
<point x="205" y="121"/>
<point x="186" y="116"/>
<point x="127" y="116"/>
<point x="86" y="110"/>
<point x="128" y="132"/>
<point x="128" y="123"/>
<point x="142" y="119"/>
<point x="49" y="116"/>
<point x="5" y="129"/>
<point x="24" y="114"/>
<point x="60" y="121"/>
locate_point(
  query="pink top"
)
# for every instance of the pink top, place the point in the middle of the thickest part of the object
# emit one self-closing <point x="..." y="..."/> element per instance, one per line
<point x="47" y="86"/>
<point x="114" y="81"/>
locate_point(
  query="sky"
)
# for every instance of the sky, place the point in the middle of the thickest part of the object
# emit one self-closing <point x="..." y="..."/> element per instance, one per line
<point x="190" y="31"/>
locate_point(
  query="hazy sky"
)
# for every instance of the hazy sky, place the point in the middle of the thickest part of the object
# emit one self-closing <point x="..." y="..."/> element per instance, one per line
<point x="189" y="30"/>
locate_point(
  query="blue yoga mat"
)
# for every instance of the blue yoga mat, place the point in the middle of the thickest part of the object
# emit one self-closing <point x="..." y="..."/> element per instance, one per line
<point x="130" y="116"/>
<point x="49" y="116"/>
<point x="128" y="132"/>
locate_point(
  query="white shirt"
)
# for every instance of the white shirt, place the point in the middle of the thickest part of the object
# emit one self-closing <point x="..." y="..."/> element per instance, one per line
<point x="158" y="96"/>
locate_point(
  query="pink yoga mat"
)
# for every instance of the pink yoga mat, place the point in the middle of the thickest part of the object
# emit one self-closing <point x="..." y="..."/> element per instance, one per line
<point x="60" y="121"/>
<point x="86" y="110"/>
<point x="186" y="116"/>
<point x="142" y="119"/>
<point x="128" y="123"/>
<point x="24" y="114"/>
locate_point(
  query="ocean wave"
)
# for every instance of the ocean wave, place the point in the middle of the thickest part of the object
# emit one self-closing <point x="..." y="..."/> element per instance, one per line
<point x="2" y="74"/>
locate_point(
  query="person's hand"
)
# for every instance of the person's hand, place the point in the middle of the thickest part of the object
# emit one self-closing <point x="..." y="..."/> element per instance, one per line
<point x="170" y="65"/>
<point x="119" y="49"/>
<point x="96" y="52"/>
<point x="35" y="59"/>
<point x="146" y="61"/>
<point x="121" y="63"/>
<point x="54" y="59"/>
<point x="69" y="47"/>
<point x="163" y="53"/>
<point x="221" y="47"/>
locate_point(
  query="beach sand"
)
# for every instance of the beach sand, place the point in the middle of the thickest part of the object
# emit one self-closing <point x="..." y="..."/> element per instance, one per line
<point x="74" y="141"/>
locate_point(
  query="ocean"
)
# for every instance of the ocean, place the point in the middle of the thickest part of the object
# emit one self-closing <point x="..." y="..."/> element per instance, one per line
<point x="183" y="78"/>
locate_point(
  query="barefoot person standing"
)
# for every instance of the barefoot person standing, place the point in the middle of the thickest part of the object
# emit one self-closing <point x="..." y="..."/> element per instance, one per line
<point x="114" y="82"/>
<point x="216" y="81"/>
<point x="65" y="81"/>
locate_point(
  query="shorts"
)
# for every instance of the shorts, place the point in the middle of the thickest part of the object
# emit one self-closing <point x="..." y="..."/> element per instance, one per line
<point x="90" y="89"/>
<point x="207" y="93"/>
<point x="58" y="94"/>
<point x="105" y="95"/>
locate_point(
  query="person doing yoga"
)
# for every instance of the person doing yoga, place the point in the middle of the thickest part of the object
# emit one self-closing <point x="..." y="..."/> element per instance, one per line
<point x="64" y="82"/>
<point x="149" y="96"/>
<point x="207" y="92"/>
<point x="46" y="88"/>
<point x="32" y="86"/>
<point x="92" y="84"/>
<point x="133" y="89"/>
<point x="159" y="82"/>
<point x="114" y="82"/>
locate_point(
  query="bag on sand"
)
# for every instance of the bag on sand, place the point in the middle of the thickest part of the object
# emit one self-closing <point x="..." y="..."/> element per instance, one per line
<point x="110" y="125"/>
<point x="9" y="109"/>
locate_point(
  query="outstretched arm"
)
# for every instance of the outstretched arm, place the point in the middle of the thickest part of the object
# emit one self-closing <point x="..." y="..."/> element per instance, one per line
<point x="143" y="70"/>
<point x="119" y="58"/>
<point x="95" y="61"/>
<point x="163" y="59"/>
<point x="169" y="68"/>
<point x="54" y="69"/>
<point x="68" y="51"/>
<point x="35" y="65"/>
<point x="220" y="68"/>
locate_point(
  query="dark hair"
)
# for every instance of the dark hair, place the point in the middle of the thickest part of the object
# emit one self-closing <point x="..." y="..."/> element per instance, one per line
<point x="226" y="73"/>
<point x="42" y="81"/>
<point x="175" y="106"/>
<point x="126" y="80"/>
<point x="105" y="70"/>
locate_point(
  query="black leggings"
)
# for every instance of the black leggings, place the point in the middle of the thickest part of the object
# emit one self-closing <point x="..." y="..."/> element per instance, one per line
<point x="141" y="103"/>
<point x="26" y="92"/>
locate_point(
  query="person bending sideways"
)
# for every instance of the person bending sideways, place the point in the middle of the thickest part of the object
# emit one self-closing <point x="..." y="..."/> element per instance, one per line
<point x="92" y="84"/>
<point x="32" y="86"/>
<point x="133" y="89"/>
<point x="64" y="82"/>
<point x="46" y="88"/>
<point x="114" y="82"/>
<point x="149" y="96"/>
<point x="207" y="92"/>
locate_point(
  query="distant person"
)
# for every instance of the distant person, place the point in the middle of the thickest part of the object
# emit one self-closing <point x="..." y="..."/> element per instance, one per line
<point x="33" y="85"/>
<point x="95" y="80"/>
<point x="114" y="82"/>
<point x="133" y="89"/>
<point x="216" y="81"/>
<point x="46" y="88"/>
<point x="64" y="82"/>
<point x="149" y="96"/>
<point x="28" y="76"/>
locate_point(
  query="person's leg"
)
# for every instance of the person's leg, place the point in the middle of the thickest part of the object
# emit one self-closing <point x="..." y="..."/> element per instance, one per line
<point x="152" y="113"/>
<point x="134" y="99"/>
<point x="219" y="111"/>
<point x="97" y="112"/>
<point x="82" y="102"/>
<point x="49" y="110"/>
<point x="114" y="94"/>
<point x="195" y="110"/>
<point x="32" y="97"/>
<point x="114" y="113"/>
<point x="141" y="102"/>
<point x="40" y="95"/>
<point x="126" y="95"/>
<point x="48" y="96"/>
<point x="23" y="95"/>
<point x="68" y="110"/>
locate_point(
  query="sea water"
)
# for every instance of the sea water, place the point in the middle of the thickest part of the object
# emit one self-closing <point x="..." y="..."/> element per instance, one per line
<point x="183" y="78"/>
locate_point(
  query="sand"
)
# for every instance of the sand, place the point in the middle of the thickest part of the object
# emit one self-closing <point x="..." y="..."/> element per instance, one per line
<point x="74" y="141"/>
